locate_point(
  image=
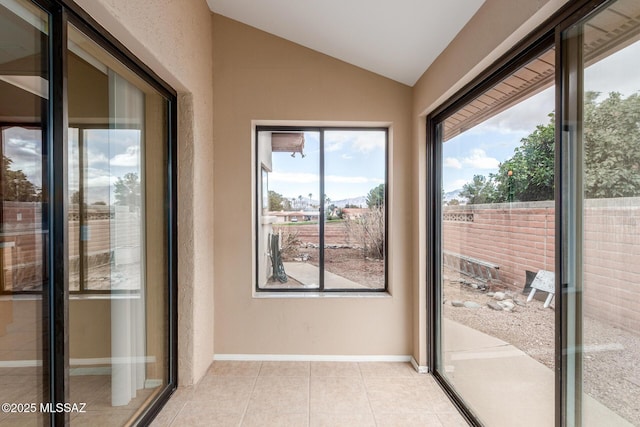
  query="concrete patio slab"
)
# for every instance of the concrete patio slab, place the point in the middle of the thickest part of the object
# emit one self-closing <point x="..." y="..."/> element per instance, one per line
<point x="503" y="385"/>
<point x="309" y="276"/>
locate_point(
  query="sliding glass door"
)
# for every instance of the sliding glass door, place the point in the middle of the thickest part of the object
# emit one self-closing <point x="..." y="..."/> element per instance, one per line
<point x="118" y="312"/>
<point x="601" y="193"/>
<point x="535" y="228"/>
<point x="87" y="226"/>
<point x="497" y="234"/>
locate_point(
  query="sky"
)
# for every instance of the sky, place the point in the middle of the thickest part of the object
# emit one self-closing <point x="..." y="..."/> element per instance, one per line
<point x="111" y="153"/>
<point x="354" y="164"/>
<point x="480" y="150"/>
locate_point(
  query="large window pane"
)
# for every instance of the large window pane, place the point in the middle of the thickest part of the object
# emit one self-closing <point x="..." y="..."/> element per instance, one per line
<point x="354" y="230"/>
<point x="332" y="235"/>
<point x="497" y="347"/>
<point x="117" y="145"/>
<point x="23" y="99"/>
<point x="288" y="210"/>
<point x="607" y="200"/>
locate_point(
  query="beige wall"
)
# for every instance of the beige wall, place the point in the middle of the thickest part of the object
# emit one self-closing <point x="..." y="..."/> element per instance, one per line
<point x="172" y="37"/>
<point x="258" y="76"/>
<point x="494" y="29"/>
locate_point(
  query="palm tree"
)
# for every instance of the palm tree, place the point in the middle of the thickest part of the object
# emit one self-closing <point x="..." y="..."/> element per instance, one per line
<point x="310" y="194"/>
<point x="300" y="201"/>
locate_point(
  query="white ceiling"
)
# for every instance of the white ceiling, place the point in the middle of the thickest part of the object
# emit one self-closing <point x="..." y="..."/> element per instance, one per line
<point x="398" y="39"/>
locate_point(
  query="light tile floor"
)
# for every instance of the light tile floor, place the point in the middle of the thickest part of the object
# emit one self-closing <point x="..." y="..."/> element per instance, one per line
<point x="311" y="394"/>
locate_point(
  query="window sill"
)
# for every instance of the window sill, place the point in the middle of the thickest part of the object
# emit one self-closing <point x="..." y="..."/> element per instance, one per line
<point x="318" y="295"/>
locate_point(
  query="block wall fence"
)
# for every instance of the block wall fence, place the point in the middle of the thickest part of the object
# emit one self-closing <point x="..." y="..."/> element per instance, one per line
<point x="521" y="236"/>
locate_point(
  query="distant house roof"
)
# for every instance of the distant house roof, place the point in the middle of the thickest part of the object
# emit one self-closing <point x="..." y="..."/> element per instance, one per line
<point x="294" y="213"/>
<point x="354" y="212"/>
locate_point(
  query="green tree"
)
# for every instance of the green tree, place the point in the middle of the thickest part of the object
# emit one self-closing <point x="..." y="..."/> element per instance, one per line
<point x="611" y="135"/>
<point x="16" y="187"/>
<point x="528" y="174"/>
<point x="375" y="198"/>
<point x="127" y="190"/>
<point x="480" y="190"/>
<point x="278" y="202"/>
<point x="611" y="143"/>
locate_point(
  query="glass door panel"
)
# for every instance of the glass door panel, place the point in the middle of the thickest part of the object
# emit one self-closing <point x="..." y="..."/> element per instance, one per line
<point x="604" y="318"/>
<point x="496" y="339"/>
<point x="24" y="95"/>
<point x="117" y="183"/>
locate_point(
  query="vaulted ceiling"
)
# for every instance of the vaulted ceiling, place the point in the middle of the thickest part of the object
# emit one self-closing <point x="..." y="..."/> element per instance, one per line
<point x="397" y="39"/>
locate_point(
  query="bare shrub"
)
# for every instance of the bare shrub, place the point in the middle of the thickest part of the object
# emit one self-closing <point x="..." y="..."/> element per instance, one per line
<point x="367" y="231"/>
<point x="289" y="242"/>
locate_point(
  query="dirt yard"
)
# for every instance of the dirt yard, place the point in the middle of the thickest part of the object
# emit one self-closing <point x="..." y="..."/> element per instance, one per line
<point x="341" y="256"/>
<point x="611" y="365"/>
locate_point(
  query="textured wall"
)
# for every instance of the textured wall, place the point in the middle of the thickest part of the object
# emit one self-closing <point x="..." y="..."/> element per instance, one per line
<point x="173" y="38"/>
<point x="258" y="76"/>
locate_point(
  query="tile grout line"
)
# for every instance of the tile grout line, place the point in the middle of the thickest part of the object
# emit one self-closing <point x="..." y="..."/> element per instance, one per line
<point x="309" y="399"/>
<point x="173" y="419"/>
<point x="366" y="390"/>
<point x="253" y="389"/>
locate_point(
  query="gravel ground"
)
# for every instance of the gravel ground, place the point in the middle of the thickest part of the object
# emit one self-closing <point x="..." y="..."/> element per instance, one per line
<point x="611" y="366"/>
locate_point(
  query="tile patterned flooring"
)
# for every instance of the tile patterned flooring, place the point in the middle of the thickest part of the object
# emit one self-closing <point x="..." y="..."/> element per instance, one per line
<point x="311" y="394"/>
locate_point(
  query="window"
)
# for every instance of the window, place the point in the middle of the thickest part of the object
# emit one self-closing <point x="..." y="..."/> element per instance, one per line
<point x="87" y="230"/>
<point x="323" y="225"/>
<point x="531" y="205"/>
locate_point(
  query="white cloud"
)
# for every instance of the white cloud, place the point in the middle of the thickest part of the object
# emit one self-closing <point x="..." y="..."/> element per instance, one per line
<point x="358" y="141"/>
<point x="479" y="160"/>
<point x="333" y="146"/>
<point x="101" y="181"/>
<point x="455" y="185"/>
<point x="295" y="177"/>
<point x="307" y="178"/>
<point x="365" y="143"/>
<point x="452" y="162"/>
<point x="347" y="156"/>
<point x="131" y="158"/>
<point x="337" y="179"/>
<point x="97" y="158"/>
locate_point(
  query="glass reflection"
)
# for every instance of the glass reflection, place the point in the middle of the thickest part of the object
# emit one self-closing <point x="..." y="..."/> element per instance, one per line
<point x="23" y="100"/>
<point x="117" y="227"/>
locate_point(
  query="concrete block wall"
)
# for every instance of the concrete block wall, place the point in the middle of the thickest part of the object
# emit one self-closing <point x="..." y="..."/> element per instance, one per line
<point x="517" y="237"/>
<point x="611" y="258"/>
<point x="521" y="236"/>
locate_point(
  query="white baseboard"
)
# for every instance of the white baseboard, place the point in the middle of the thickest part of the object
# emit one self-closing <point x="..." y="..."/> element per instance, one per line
<point x="98" y="370"/>
<point x="152" y="383"/>
<point x="419" y="369"/>
<point x="311" y="358"/>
